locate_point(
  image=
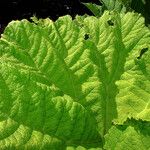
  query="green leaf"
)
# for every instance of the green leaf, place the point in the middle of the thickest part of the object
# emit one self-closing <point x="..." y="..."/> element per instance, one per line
<point x="95" y="9"/>
<point x="47" y="85"/>
<point x="116" y="5"/>
<point x="118" y="45"/>
<point x="133" y="99"/>
<point x="111" y="5"/>
<point x="119" y="138"/>
<point x="63" y="83"/>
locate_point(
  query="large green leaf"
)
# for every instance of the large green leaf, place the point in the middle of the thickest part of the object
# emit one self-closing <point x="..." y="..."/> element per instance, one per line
<point x="62" y="83"/>
<point x="118" y="46"/>
<point x="47" y="86"/>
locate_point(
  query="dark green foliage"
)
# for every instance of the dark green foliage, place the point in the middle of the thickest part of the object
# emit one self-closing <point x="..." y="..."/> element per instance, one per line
<point x="140" y="6"/>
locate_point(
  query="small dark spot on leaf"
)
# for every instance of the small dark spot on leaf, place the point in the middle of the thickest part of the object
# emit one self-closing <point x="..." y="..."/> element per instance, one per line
<point x="110" y="22"/>
<point x="86" y="36"/>
<point x="142" y="52"/>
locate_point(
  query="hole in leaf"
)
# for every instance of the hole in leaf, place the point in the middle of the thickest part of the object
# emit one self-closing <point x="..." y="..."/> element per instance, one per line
<point x="110" y="23"/>
<point x="86" y="36"/>
<point x="142" y="52"/>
